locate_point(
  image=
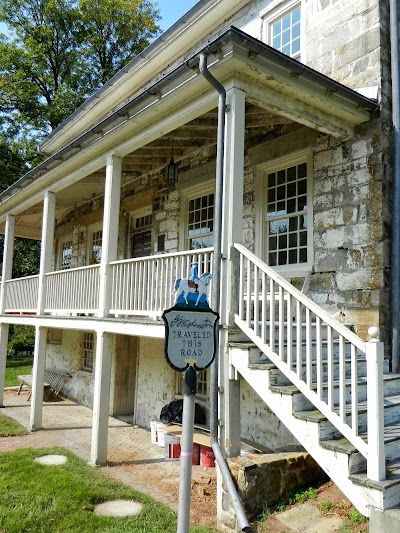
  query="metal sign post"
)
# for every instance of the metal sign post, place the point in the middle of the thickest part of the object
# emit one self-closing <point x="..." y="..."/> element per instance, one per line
<point x="190" y="343"/>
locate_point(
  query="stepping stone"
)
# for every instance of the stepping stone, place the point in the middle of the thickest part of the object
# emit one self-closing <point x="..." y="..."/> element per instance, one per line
<point x="118" y="508"/>
<point x="51" y="459"/>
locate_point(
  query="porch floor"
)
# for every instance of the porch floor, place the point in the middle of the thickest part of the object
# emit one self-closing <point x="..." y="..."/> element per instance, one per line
<point x="132" y="458"/>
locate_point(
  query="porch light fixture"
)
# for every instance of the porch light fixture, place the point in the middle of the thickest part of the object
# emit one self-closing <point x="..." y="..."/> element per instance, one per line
<point x="171" y="170"/>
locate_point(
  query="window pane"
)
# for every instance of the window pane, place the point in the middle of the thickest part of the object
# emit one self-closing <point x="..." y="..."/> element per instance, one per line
<point x="271" y="180"/>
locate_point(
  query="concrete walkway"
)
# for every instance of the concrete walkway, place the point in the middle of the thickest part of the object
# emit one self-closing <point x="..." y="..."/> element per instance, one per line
<point x="132" y="458"/>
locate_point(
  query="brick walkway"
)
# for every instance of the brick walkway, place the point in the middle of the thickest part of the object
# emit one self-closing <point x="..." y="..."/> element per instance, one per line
<point x="132" y="458"/>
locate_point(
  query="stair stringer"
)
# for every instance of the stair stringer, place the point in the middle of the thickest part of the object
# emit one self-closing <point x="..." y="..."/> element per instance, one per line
<point x="334" y="463"/>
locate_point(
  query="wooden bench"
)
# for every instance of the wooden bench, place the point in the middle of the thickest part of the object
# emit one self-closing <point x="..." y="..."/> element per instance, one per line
<point x="53" y="382"/>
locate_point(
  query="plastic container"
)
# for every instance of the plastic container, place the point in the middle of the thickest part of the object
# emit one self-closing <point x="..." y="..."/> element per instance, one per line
<point x="206" y="456"/>
<point x="172" y="447"/>
<point x="196" y="454"/>
<point x="161" y="434"/>
<point x="153" y="431"/>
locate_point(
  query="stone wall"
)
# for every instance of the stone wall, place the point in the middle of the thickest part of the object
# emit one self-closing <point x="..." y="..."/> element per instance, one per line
<point x="262" y="479"/>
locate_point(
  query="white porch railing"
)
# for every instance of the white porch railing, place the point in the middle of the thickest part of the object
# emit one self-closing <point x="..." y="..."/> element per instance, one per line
<point x="73" y="291"/>
<point x="144" y="286"/>
<point x="22" y="295"/>
<point x="307" y="345"/>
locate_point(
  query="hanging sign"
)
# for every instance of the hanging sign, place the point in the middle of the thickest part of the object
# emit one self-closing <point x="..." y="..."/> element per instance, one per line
<point x="190" y="326"/>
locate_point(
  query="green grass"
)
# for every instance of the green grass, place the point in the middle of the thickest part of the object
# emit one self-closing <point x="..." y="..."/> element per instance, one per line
<point x="295" y="496"/>
<point x="37" y="498"/>
<point x="15" y="368"/>
<point x="10" y="427"/>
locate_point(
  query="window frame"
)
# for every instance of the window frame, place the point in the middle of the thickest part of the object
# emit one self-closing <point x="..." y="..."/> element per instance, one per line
<point x="85" y="367"/>
<point x="91" y="230"/>
<point x="191" y="193"/>
<point x="261" y="239"/>
<point x="61" y="242"/>
<point x="135" y="215"/>
<point x="200" y="375"/>
<point x="276" y="12"/>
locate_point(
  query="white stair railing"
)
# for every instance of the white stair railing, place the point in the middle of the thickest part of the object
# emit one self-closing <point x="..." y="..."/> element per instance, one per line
<point x="314" y="351"/>
<point x="144" y="286"/>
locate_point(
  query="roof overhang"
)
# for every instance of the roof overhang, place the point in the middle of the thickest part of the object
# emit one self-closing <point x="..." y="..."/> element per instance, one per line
<point x="270" y="79"/>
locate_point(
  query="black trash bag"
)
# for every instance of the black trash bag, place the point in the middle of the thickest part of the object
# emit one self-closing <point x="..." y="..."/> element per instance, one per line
<point x="173" y="411"/>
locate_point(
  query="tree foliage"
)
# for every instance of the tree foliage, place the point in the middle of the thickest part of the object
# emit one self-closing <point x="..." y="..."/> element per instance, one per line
<point x="58" y="52"/>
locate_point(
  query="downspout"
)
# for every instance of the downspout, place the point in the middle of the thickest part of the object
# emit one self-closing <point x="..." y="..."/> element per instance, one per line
<point x="215" y="294"/>
<point x="395" y="271"/>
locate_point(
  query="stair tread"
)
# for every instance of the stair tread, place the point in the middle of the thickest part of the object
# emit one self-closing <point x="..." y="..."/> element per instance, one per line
<point x="292" y="389"/>
<point x="391" y="434"/>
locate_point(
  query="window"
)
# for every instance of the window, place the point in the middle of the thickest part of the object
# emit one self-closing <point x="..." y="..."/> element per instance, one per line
<point x="95" y="244"/>
<point x="141" y="235"/>
<point x="285" y="214"/>
<point x="88" y="351"/>
<point x="284" y="31"/>
<point x="202" y="384"/>
<point x="200" y="221"/>
<point x="65" y="257"/>
<point x="54" y="336"/>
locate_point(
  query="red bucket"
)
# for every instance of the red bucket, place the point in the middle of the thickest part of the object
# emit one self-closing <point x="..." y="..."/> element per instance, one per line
<point x="206" y="456"/>
<point x="172" y="448"/>
<point x="196" y="454"/>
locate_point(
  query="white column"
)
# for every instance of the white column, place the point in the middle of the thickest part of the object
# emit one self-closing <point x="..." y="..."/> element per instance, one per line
<point x="376" y="469"/>
<point x="232" y="225"/>
<point x="112" y="195"/>
<point x="48" y="223"/>
<point x="101" y="399"/>
<point x="7" y="259"/>
<point x="3" y="359"/>
<point x="6" y="274"/>
<point x="39" y="361"/>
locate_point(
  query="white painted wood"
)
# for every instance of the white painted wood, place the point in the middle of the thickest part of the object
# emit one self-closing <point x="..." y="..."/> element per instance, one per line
<point x="39" y="362"/>
<point x="376" y="448"/>
<point x="330" y="368"/>
<point x="8" y="251"/>
<point x="22" y="294"/>
<point x="319" y="357"/>
<point x="112" y="196"/>
<point x="101" y="401"/>
<point x="354" y="389"/>
<point x="48" y="224"/>
<point x="3" y="358"/>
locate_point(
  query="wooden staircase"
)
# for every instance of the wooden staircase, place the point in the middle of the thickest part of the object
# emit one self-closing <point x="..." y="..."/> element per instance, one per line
<point x="312" y="372"/>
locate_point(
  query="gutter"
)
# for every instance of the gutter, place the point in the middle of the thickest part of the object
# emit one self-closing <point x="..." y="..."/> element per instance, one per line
<point x="395" y="270"/>
<point x="228" y="36"/>
<point x="226" y="475"/>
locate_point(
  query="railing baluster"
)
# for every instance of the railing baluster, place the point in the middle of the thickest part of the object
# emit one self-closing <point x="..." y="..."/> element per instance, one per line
<point x="289" y="334"/>
<point x="309" y="367"/>
<point x="248" y="297"/>
<point x="263" y="307"/>
<point x="281" y="322"/>
<point x="272" y="314"/>
<point x="241" y="288"/>
<point x="256" y="298"/>
<point x="319" y="357"/>
<point x="330" y="369"/>
<point x="342" y="380"/>
<point x="299" y="340"/>
<point x="354" y="390"/>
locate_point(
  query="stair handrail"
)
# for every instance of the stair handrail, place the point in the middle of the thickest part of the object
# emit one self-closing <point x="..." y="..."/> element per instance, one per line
<point x="303" y="299"/>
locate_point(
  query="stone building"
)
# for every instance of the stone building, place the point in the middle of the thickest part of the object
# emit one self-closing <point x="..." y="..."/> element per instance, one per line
<point x="306" y="230"/>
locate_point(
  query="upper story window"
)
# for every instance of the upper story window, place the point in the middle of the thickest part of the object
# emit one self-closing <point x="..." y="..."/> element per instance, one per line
<point x="66" y="254"/>
<point x="284" y="31"/>
<point x="141" y="235"/>
<point x="200" y="221"/>
<point x="95" y="234"/>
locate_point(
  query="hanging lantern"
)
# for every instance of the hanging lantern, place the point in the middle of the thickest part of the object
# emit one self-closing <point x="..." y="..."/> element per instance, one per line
<point x="171" y="170"/>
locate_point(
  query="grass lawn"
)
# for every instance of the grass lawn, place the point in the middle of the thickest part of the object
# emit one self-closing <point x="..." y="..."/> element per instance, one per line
<point x="60" y="499"/>
<point x="15" y="368"/>
<point x="10" y="427"/>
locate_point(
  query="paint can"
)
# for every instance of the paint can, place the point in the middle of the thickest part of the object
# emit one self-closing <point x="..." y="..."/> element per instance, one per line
<point x="161" y="434"/>
<point x="153" y="431"/>
<point x="172" y="447"/>
<point x="206" y="456"/>
<point x="196" y="454"/>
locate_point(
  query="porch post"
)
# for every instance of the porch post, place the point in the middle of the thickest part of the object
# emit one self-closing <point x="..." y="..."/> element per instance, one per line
<point x="112" y="196"/>
<point x="101" y="399"/>
<point x="39" y="361"/>
<point x="7" y="259"/>
<point x="6" y="274"/>
<point x="48" y="223"/>
<point x="232" y="217"/>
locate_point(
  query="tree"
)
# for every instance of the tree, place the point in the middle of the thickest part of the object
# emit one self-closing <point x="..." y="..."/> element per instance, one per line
<point x="12" y="165"/>
<point x="60" y="51"/>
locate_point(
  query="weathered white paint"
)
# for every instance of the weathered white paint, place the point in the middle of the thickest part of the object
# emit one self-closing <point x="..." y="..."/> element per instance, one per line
<point x="46" y="253"/>
<point x="7" y="259"/>
<point x="155" y="382"/>
<point x="39" y="362"/>
<point x="3" y="358"/>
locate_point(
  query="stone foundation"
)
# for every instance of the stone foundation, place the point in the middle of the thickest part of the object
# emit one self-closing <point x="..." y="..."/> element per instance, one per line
<point x="262" y="479"/>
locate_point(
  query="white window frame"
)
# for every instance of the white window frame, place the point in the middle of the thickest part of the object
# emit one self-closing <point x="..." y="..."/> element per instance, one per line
<point x="90" y="232"/>
<point x="261" y="249"/>
<point x="276" y="11"/>
<point x="61" y="242"/>
<point x="199" y="382"/>
<point x="188" y="194"/>
<point x="135" y="215"/>
<point x="86" y="350"/>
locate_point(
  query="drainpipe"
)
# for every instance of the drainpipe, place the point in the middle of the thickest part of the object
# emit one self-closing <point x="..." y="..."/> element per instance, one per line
<point x="215" y="294"/>
<point x="395" y="272"/>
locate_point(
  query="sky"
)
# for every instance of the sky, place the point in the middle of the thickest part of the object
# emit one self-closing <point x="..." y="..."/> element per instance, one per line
<point x="172" y="10"/>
